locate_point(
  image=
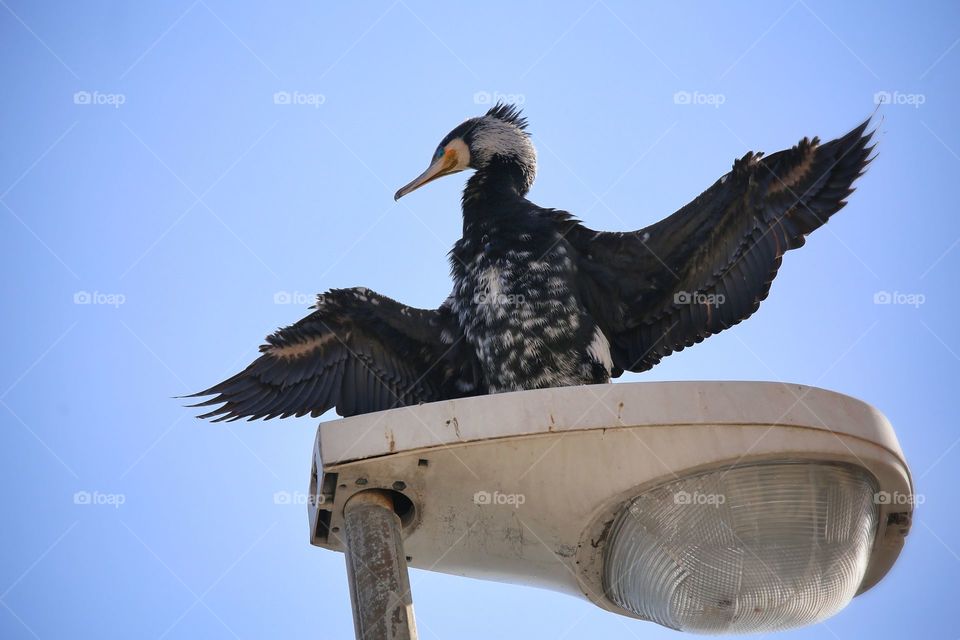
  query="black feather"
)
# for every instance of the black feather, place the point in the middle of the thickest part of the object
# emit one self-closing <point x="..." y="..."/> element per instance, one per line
<point x="508" y="113"/>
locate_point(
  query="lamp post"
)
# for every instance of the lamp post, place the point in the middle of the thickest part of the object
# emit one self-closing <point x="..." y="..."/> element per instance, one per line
<point x="701" y="506"/>
<point x="377" y="568"/>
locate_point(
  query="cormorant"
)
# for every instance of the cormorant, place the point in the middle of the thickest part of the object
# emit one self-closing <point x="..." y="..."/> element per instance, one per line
<point x="539" y="300"/>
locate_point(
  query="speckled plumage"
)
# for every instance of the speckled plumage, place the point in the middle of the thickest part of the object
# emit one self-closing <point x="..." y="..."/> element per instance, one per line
<point x="516" y="300"/>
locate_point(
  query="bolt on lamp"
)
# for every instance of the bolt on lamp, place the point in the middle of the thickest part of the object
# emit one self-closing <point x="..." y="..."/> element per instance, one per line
<point x="710" y="507"/>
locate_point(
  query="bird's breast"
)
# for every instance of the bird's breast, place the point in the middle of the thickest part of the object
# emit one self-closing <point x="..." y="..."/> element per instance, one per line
<point x="520" y="311"/>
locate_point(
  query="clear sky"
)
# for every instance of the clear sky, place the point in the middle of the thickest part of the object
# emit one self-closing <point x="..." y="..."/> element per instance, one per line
<point x="160" y="213"/>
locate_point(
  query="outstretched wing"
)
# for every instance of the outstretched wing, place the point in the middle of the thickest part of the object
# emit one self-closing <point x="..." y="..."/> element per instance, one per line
<point x="709" y="265"/>
<point x="359" y="352"/>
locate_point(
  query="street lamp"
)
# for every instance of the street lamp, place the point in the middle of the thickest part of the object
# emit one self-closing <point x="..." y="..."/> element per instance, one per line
<point x="717" y="507"/>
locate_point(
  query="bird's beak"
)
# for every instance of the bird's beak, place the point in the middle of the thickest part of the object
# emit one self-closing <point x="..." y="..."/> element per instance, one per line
<point x="442" y="166"/>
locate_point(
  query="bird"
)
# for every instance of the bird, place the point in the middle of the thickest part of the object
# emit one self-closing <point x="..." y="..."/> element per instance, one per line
<point x="540" y="300"/>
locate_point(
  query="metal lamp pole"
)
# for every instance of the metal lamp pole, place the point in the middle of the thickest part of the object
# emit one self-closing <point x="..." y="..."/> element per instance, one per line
<point x="377" y="569"/>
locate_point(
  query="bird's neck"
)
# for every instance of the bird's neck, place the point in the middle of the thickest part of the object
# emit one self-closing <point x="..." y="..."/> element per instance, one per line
<point x="501" y="177"/>
<point x="495" y="190"/>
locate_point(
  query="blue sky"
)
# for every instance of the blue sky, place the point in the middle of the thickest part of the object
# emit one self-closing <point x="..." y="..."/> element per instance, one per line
<point x="148" y="171"/>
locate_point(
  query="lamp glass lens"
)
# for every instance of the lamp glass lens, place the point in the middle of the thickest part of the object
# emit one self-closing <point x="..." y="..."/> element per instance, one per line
<point x="752" y="548"/>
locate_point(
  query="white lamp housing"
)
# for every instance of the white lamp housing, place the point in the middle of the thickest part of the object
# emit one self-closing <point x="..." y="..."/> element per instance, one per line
<point x="716" y="507"/>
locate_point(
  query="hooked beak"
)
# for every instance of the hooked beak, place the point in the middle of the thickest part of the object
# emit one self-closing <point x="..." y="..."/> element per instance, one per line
<point x="442" y="166"/>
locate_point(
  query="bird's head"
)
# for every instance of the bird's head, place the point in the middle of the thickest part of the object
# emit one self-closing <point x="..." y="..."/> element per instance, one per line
<point x="494" y="142"/>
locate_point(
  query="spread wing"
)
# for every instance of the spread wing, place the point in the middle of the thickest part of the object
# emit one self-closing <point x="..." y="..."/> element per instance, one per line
<point x="709" y="265"/>
<point x="359" y="352"/>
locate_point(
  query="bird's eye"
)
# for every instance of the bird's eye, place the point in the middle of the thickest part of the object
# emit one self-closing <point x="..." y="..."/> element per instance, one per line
<point x="439" y="152"/>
